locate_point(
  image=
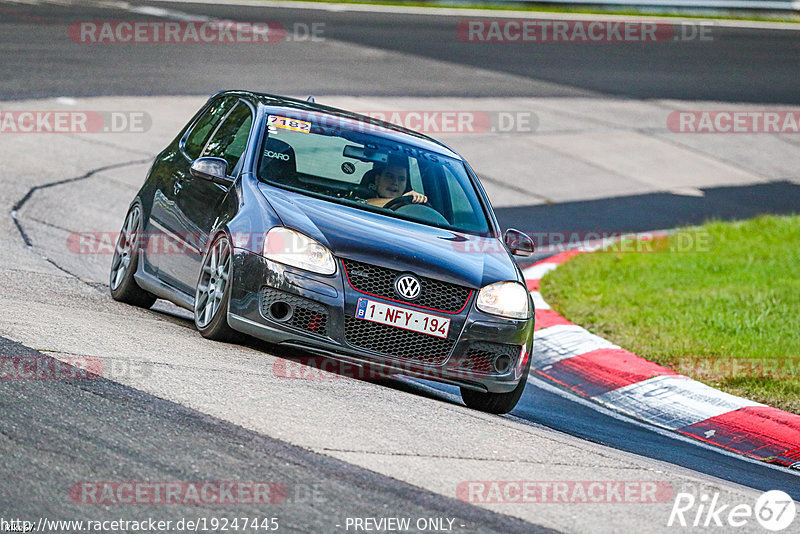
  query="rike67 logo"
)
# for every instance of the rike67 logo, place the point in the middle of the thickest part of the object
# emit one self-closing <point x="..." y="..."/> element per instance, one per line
<point x="774" y="510"/>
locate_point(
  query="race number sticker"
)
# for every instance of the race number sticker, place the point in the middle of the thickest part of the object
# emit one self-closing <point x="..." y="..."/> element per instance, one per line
<point x="289" y="124"/>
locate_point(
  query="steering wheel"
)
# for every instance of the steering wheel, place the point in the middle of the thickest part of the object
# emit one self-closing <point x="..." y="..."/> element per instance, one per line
<point x="404" y="200"/>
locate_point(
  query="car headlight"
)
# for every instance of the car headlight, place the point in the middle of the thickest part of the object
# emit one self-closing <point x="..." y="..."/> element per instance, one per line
<point x="506" y="299"/>
<point x="284" y="245"/>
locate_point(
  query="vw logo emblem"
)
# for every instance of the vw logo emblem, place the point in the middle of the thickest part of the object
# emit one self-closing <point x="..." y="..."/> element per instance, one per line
<point x="407" y="286"/>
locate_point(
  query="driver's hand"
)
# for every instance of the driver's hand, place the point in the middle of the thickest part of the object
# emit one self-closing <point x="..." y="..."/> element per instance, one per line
<point x="416" y="198"/>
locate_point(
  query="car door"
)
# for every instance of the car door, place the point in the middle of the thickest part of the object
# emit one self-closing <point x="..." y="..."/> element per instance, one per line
<point x="197" y="200"/>
<point x="170" y="172"/>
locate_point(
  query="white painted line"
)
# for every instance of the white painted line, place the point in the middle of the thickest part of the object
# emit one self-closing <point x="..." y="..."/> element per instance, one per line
<point x="672" y="401"/>
<point x="506" y="14"/>
<point x="538" y="301"/>
<point x="537" y="272"/>
<point x="168" y="14"/>
<point x="687" y="191"/>
<point x="556" y="343"/>
<point x="172" y="14"/>
<point x="781" y="5"/>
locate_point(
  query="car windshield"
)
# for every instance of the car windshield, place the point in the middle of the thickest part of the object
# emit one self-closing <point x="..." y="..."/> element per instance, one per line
<point x="364" y="170"/>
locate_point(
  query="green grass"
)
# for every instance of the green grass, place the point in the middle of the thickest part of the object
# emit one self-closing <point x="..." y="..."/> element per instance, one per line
<point x="687" y="13"/>
<point x="720" y="303"/>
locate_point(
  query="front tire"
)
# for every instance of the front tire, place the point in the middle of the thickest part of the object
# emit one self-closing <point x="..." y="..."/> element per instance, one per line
<point x="213" y="292"/>
<point x="496" y="403"/>
<point x="121" y="282"/>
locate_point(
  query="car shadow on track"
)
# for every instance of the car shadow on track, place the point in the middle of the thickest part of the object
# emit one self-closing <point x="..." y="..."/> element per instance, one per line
<point x="539" y="406"/>
<point x="297" y="364"/>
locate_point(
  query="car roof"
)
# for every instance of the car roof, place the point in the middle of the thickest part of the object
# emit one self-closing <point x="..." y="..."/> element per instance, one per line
<point x="349" y="118"/>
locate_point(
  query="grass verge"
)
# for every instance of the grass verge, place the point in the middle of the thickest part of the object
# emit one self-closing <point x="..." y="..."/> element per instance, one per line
<point x="719" y="303"/>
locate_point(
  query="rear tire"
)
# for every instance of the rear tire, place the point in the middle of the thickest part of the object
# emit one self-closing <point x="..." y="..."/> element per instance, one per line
<point x="497" y="403"/>
<point x="213" y="292"/>
<point x="121" y="282"/>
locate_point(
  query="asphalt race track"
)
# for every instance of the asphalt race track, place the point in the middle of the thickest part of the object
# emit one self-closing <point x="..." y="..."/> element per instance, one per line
<point x="175" y="407"/>
<point x="738" y="65"/>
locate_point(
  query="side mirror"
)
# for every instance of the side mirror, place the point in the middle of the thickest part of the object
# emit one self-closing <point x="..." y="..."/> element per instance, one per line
<point x="214" y="169"/>
<point x="518" y="243"/>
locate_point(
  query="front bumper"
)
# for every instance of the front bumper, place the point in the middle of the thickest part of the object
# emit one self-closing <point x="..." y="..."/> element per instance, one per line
<point x="285" y="305"/>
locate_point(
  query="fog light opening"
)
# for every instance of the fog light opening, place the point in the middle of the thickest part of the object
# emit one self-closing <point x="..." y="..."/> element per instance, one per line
<point x="503" y="363"/>
<point x="280" y="311"/>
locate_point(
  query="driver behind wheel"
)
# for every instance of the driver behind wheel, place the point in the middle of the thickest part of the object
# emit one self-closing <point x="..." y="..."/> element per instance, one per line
<point x="391" y="181"/>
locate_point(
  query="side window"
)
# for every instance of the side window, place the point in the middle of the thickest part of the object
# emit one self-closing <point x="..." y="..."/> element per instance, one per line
<point x="205" y="126"/>
<point x="230" y="138"/>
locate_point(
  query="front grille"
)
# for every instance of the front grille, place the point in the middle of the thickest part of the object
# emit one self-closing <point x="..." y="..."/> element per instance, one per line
<point x="379" y="281"/>
<point x="306" y="314"/>
<point x="396" y="342"/>
<point x="480" y="357"/>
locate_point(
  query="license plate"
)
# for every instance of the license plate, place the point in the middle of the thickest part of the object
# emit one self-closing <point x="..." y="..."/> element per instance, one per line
<point x="424" y="323"/>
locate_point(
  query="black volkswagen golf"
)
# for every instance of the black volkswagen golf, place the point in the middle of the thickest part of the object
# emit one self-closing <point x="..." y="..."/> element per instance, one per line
<point x="329" y="231"/>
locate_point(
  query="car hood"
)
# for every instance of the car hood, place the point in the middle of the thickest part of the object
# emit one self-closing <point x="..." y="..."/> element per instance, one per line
<point x="352" y="233"/>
